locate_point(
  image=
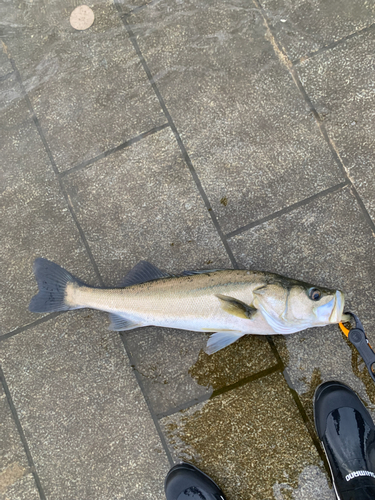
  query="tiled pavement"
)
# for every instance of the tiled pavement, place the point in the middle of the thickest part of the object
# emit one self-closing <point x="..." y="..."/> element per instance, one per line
<point x="192" y="134"/>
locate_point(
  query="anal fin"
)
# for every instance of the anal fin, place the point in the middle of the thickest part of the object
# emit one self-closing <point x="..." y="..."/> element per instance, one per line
<point x="220" y="340"/>
<point x="120" y="323"/>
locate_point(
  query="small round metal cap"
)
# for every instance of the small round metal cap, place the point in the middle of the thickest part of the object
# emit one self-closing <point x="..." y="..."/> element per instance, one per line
<point x="82" y="18"/>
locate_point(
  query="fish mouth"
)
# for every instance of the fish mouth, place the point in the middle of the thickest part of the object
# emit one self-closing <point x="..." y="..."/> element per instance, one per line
<point x="338" y="308"/>
<point x="333" y="310"/>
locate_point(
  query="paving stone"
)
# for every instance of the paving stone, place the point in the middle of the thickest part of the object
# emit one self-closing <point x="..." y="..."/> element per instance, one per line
<point x="16" y="481"/>
<point x="85" y="419"/>
<point x="248" y="440"/>
<point x="326" y="242"/>
<point x="305" y="26"/>
<point x="35" y="217"/>
<point x="88" y="89"/>
<point x="176" y="372"/>
<point x="146" y="206"/>
<point x="340" y="83"/>
<point x="230" y="99"/>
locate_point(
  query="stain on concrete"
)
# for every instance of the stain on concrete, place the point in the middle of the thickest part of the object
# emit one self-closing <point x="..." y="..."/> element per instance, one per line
<point x="249" y="355"/>
<point x="10" y="475"/>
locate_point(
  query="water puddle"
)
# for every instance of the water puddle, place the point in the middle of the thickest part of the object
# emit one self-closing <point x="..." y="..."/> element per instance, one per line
<point x="247" y="439"/>
<point x="247" y="356"/>
<point x="307" y="364"/>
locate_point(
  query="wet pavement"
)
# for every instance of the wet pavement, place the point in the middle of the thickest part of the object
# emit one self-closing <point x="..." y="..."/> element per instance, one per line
<point x="193" y="135"/>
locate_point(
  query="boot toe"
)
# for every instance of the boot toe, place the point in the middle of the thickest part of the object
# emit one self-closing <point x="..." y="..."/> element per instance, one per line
<point x="186" y="482"/>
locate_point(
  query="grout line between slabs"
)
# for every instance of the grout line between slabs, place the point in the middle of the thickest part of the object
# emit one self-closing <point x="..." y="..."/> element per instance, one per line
<point x="332" y="45"/>
<point x="183" y="406"/>
<point x="289" y="209"/>
<point x="217" y="392"/>
<point x="22" y="435"/>
<point x="149" y="405"/>
<point x="23" y="328"/>
<point x="251" y="378"/>
<point x="109" y="152"/>
<point x="299" y="405"/>
<point x="185" y="155"/>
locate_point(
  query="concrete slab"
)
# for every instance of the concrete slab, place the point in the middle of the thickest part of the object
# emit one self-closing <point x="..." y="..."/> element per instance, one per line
<point x="340" y="84"/>
<point x="177" y="373"/>
<point x="251" y="441"/>
<point x="141" y="194"/>
<point x="35" y="217"/>
<point x="16" y="480"/>
<point x="88" y="89"/>
<point x="303" y="27"/>
<point x="86" y="421"/>
<point x="229" y="96"/>
<point x="327" y="242"/>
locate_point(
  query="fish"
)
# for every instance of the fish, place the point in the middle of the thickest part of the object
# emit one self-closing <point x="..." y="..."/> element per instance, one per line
<point x="228" y="303"/>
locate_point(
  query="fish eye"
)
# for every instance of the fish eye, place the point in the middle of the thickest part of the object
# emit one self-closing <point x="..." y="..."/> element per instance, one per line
<point x="315" y="294"/>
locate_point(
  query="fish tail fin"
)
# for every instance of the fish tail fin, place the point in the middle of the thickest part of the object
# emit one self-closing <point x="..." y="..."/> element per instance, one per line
<point x="52" y="282"/>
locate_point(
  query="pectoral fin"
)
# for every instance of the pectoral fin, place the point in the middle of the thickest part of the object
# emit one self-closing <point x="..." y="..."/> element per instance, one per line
<point x="236" y="307"/>
<point x="220" y="340"/>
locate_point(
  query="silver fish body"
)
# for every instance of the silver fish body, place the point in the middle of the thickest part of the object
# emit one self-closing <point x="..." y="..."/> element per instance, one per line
<point x="231" y="303"/>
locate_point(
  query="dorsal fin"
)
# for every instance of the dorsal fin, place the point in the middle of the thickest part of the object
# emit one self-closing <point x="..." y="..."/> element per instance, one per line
<point x="142" y="272"/>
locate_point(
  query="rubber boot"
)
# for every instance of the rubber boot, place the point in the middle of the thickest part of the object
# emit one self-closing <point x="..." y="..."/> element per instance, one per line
<point x="186" y="482"/>
<point x="347" y="433"/>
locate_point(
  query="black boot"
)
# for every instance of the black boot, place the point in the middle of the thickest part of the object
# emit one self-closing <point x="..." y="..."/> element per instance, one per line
<point x="347" y="433"/>
<point x="186" y="482"/>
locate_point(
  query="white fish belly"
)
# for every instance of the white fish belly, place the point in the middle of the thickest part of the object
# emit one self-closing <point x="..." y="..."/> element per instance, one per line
<point x="255" y="326"/>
